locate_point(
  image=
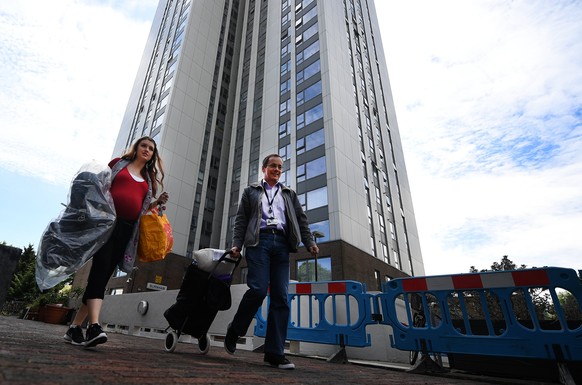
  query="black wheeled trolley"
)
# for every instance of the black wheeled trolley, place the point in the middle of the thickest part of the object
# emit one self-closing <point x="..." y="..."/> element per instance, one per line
<point x="204" y="292"/>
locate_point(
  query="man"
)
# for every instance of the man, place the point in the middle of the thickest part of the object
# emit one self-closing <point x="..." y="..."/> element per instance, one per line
<point x="270" y="223"/>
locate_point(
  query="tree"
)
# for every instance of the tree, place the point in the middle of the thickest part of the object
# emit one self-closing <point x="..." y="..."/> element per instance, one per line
<point x="506" y="264"/>
<point x="540" y="297"/>
<point x="570" y="305"/>
<point x="23" y="288"/>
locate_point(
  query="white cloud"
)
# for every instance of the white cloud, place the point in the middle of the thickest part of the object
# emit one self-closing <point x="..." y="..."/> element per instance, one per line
<point x="489" y="103"/>
<point x="67" y="70"/>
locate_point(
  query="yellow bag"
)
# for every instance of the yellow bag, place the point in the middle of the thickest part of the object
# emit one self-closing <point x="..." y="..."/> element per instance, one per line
<point x="155" y="237"/>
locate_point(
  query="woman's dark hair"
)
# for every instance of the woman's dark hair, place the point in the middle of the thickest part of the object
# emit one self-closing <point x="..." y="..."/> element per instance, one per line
<point x="154" y="167"/>
<point x="268" y="157"/>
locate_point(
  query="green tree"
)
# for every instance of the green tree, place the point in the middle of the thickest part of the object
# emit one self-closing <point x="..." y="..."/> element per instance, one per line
<point x="570" y="305"/>
<point x="24" y="289"/>
<point x="23" y="286"/>
<point x="540" y="297"/>
<point x="505" y="264"/>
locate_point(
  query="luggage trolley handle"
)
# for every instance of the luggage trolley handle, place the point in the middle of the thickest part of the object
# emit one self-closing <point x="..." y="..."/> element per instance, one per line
<point x="225" y="257"/>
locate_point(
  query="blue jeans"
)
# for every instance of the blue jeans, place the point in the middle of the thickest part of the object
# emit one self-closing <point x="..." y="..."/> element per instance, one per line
<point x="268" y="268"/>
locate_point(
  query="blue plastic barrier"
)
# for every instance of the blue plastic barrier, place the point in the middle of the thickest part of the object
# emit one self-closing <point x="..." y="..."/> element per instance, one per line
<point x="492" y="313"/>
<point x="334" y="312"/>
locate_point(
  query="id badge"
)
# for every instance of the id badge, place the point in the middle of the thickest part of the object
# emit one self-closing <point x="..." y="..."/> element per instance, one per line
<point x="272" y="222"/>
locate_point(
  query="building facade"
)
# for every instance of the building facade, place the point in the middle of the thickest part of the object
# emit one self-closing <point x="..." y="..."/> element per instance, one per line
<point x="224" y="83"/>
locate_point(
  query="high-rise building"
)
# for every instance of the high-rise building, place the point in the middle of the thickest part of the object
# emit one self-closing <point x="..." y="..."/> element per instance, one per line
<point x="224" y="83"/>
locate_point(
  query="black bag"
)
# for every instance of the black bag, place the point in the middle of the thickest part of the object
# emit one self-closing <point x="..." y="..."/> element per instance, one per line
<point x="218" y="287"/>
<point x="218" y="294"/>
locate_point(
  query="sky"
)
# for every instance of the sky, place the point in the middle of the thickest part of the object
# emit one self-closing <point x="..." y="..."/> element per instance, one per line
<point x="488" y="97"/>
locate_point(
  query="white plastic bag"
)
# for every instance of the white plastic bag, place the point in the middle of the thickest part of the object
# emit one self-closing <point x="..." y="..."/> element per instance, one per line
<point x="206" y="260"/>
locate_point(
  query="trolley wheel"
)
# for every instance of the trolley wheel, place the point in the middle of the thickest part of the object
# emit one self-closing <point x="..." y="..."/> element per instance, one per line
<point x="171" y="341"/>
<point x="204" y="343"/>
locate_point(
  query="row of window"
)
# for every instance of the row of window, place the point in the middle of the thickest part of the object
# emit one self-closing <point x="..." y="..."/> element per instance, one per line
<point x="306" y="28"/>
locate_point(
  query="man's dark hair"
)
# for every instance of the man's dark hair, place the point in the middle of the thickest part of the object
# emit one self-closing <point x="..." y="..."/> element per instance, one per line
<point x="266" y="160"/>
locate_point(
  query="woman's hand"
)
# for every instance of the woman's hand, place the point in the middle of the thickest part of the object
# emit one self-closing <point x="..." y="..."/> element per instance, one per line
<point x="163" y="199"/>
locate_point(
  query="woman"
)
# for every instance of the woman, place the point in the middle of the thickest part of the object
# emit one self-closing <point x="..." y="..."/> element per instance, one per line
<point x="135" y="179"/>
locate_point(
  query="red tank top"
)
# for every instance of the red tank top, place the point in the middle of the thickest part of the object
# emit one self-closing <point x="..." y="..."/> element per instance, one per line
<point x="128" y="195"/>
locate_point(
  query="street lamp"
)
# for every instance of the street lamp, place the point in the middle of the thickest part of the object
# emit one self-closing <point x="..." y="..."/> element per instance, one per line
<point x="317" y="234"/>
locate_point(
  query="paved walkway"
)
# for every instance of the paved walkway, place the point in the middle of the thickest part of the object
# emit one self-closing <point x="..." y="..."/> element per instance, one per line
<point x="34" y="352"/>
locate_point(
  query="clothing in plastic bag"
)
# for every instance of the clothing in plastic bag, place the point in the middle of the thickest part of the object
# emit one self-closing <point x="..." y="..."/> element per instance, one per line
<point x="80" y="230"/>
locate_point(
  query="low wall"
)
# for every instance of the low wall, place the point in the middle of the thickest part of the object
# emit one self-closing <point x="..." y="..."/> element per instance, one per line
<point x="121" y="313"/>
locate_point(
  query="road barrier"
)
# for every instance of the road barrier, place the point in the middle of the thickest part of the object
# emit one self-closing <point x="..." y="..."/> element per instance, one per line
<point x="335" y="312"/>
<point x="530" y="313"/>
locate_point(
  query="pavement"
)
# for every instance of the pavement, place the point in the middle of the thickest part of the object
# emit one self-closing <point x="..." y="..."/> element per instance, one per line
<point x="33" y="352"/>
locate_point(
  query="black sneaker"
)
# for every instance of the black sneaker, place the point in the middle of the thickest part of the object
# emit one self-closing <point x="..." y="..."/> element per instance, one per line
<point x="279" y="362"/>
<point x="95" y="336"/>
<point x="203" y="344"/>
<point x="230" y="340"/>
<point x="75" y="335"/>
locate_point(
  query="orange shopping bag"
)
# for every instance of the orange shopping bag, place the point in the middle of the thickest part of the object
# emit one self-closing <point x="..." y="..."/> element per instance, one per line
<point x="155" y="237"/>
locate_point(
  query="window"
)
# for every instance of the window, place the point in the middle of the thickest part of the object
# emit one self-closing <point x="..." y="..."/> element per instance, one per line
<point x="285" y="67"/>
<point x="313" y="199"/>
<point x="310" y="141"/>
<point x="306" y="269"/>
<point x="284" y="19"/>
<point x="285" y="33"/>
<point x="285" y="86"/>
<point x="307" y="52"/>
<point x="284" y="129"/>
<point x="285" y="152"/>
<point x="311" y="169"/>
<point x="309" y="116"/>
<point x="322" y="227"/>
<point x="285" y="107"/>
<point x="283" y="177"/>
<point x="308" y="72"/>
<point x="309" y="32"/>
<point x="309" y="93"/>
<point x="381" y="223"/>
<point x="309" y="15"/>
<point x="378" y="280"/>
<point x="285" y="49"/>
<point x="306" y="3"/>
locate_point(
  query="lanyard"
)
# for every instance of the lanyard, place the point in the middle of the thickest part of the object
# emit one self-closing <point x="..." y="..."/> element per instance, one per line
<point x="270" y="202"/>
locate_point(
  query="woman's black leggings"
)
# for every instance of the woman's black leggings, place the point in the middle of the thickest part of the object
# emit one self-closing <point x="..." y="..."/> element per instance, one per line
<point x="106" y="259"/>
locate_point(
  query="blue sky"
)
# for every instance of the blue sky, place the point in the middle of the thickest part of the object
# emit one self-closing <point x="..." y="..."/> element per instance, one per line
<point x="488" y="98"/>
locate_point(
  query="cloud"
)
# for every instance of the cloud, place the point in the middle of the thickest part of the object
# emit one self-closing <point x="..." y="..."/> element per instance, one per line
<point x="67" y="68"/>
<point x="489" y="98"/>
